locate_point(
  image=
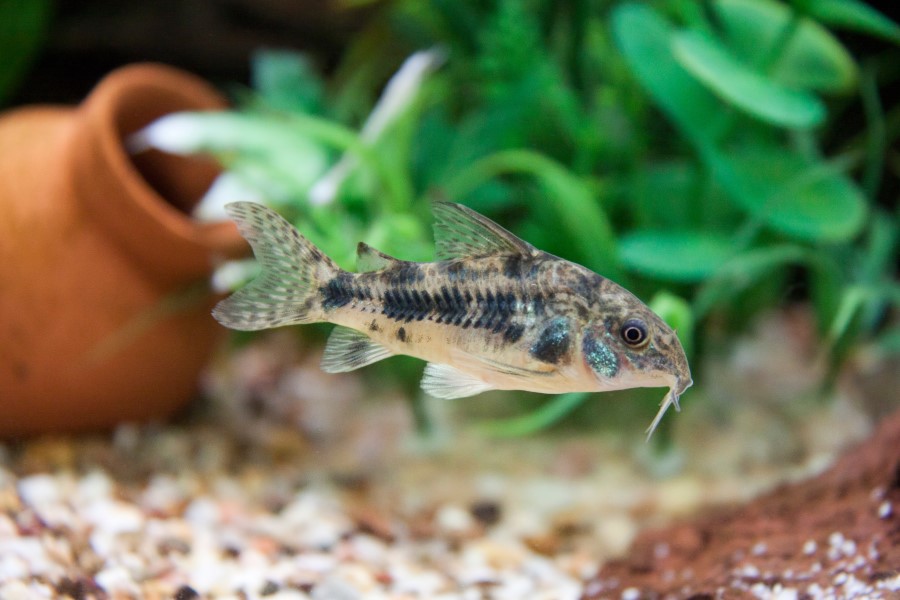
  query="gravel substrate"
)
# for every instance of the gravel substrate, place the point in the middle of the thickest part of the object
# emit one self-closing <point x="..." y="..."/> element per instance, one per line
<point x="290" y="486"/>
<point x="180" y="511"/>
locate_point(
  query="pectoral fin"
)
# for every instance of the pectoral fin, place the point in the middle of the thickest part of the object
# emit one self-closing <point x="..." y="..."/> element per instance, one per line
<point x="494" y="368"/>
<point x="444" y="381"/>
<point x="348" y="350"/>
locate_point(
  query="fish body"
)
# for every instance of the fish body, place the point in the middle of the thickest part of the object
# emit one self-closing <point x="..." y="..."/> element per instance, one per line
<point x="493" y="312"/>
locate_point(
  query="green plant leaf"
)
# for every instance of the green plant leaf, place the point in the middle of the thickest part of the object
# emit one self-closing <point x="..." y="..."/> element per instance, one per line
<point x="494" y="126"/>
<point x="826" y="286"/>
<point x="644" y="38"/>
<point x="741" y="86"/>
<point x="813" y="202"/>
<point x="401" y="235"/>
<point x="660" y="194"/>
<point x="855" y="15"/>
<point x="880" y="251"/>
<point x="748" y="268"/>
<point x="552" y="412"/>
<point x="281" y="157"/>
<point x="676" y="311"/>
<point x="286" y="81"/>
<point x="682" y="256"/>
<point x="889" y="341"/>
<point x="849" y="320"/>
<point x="811" y="58"/>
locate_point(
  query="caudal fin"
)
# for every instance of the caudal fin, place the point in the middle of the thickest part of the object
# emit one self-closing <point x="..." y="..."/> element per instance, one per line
<point x="292" y="267"/>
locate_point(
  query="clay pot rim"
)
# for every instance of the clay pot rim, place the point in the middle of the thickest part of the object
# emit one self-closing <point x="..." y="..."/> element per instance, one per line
<point x="103" y="131"/>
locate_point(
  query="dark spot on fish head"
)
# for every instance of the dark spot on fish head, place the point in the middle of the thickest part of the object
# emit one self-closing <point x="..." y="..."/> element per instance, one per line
<point x="553" y="343"/>
<point x="401" y="334"/>
<point x="598" y="354"/>
<point x="373" y="326"/>
<point x="583" y="313"/>
<point x="609" y="324"/>
<point x="579" y="281"/>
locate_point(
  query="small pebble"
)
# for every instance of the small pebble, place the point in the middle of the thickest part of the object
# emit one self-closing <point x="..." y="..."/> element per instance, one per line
<point x="891" y="584"/>
<point x="661" y="551"/>
<point x="486" y="512"/>
<point x="453" y="519"/>
<point x="19" y="590"/>
<point x="873" y="552"/>
<point x="117" y="581"/>
<point x="749" y="572"/>
<point x="854" y="588"/>
<point x="631" y="594"/>
<point x="38" y="490"/>
<point x="186" y="592"/>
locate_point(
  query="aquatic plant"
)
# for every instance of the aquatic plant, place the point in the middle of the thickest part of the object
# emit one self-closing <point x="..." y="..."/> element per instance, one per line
<point x="716" y="157"/>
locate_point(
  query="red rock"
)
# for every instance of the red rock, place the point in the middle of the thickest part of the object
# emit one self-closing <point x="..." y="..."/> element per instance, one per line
<point x="762" y="542"/>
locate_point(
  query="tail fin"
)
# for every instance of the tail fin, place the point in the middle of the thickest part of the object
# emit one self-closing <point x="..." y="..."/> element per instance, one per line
<point x="291" y="271"/>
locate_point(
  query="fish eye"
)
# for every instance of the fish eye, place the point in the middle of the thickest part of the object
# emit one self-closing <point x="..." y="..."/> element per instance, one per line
<point x="634" y="332"/>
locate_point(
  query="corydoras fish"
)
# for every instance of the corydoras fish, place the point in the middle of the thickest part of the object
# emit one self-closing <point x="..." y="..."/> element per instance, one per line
<point x="493" y="312"/>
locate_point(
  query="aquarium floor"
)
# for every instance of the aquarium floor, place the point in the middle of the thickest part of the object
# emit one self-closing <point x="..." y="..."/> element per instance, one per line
<point x="288" y="486"/>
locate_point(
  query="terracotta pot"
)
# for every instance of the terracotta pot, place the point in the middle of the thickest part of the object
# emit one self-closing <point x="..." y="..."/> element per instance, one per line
<point x="104" y="309"/>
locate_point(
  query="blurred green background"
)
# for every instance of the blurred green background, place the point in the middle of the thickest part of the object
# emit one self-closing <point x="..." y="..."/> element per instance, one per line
<point x="719" y="158"/>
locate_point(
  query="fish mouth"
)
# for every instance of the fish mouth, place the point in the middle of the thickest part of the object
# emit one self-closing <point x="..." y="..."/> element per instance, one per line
<point x="681" y="385"/>
<point x="671" y="399"/>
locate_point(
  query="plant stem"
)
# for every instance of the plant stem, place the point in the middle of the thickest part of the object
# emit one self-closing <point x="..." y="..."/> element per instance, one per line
<point x="776" y="50"/>
<point x="877" y="135"/>
<point x="576" y="55"/>
<point x="547" y="415"/>
<point x="765" y="65"/>
<point x="347" y="140"/>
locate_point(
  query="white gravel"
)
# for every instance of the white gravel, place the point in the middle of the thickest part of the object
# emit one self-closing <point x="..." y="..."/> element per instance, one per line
<point x="282" y="502"/>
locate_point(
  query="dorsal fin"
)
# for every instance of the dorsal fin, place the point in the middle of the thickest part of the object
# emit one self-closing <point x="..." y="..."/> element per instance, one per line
<point x="370" y="259"/>
<point x="460" y="232"/>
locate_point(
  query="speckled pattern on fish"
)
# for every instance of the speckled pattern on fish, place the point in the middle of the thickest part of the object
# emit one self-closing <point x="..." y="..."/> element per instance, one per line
<point x="492" y="312"/>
